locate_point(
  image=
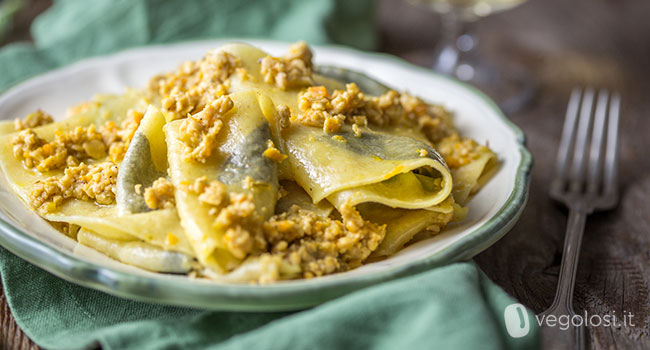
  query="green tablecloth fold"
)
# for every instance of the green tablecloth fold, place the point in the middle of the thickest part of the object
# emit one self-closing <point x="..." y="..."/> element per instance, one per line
<point x="452" y="307"/>
<point x="74" y="29"/>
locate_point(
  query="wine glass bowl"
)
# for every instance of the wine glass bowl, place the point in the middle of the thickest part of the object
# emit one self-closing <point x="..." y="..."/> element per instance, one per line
<point x="456" y="54"/>
<point x="469" y="8"/>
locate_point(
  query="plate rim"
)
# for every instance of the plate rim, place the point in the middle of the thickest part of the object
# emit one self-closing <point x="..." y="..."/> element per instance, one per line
<point x="273" y="297"/>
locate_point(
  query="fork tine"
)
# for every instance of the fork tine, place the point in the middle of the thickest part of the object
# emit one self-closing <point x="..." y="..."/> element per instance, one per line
<point x="579" y="152"/>
<point x="594" y="170"/>
<point x="611" y="156"/>
<point x="567" y="134"/>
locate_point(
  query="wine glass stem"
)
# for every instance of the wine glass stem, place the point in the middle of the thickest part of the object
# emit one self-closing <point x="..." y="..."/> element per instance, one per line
<point x="457" y="39"/>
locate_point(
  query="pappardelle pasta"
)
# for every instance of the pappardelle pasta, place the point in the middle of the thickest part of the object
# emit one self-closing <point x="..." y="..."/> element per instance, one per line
<point x="245" y="167"/>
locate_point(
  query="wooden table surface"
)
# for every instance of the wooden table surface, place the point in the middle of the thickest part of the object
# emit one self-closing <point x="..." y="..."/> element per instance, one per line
<point x="603" y="43"/>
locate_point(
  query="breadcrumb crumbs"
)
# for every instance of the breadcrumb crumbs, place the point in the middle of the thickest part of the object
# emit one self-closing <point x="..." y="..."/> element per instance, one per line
<point x="243" y="226"/>
<point x="348" y="101"/>
<point x="118" y="139"/>
<point x="199" y="131"/>
<point x="213" y="193"/>
<point x="318" y="107"/>
<point x="33" y="120"/>
<point x="69" y="148"/>
<point x="78" y="144"/>
<point x="291" y="71"/>
<point x="315" y="106"/>
<point x="360" y="120"/>
<point x="235" y="214"/>
<point x="317" y="245"/>
<point x="333" y="123"/>
<point x="322" y="246"/>
<point x="458" y="151"/>
<point x="84" y="182"/>
<point x="195" y="83"/>
<point x="160" y="195"/>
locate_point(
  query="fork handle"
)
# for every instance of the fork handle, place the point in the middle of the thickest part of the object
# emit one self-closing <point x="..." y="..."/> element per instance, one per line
<point x="570" y="256"/>
<point x="563" y="302"/>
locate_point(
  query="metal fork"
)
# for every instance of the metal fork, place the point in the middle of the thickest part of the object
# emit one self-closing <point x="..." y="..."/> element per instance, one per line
<point x="585" y="181"/>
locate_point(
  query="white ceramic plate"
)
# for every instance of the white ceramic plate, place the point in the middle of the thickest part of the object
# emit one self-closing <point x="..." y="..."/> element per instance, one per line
<point x="492" y="211"/>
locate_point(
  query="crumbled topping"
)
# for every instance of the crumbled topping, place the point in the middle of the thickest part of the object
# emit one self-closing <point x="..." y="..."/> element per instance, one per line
<point x="67" y="148"/>
<point x="118" y="139"/>
<point x="212" y="193"/>
<point x="317" y="109"/>
<point x="234" y="213"/>
<point x="317" y="245"/>
<point x="273" y="153"/>
<point x="315" y="104"/>
<point x="321" y="109"/>
<point x="458" y="151"/>
<point x="243" y="226"/>
<point x="330" y="112"/>
<point x="33" y="120"/>
<point x="84" y="182"/>
<point x="180" y="103"/>
<point x="333" y="123"/>
<point x="360" y="120"/>
<point x="47" y="195"/>
<point x="423" y="152"/>
<point x="195" y="83"/>
<point x="290" y="71"/>
<point x="322" y="245"/>
<point x="74" y="146"/>
<point x="217" y="66"/>
<point x="241" y="239"/>
<point x="199" y="131"/>
<point x="160" y="195"/>
<point x="29" y="147"/>
<point x="348" y="101"/>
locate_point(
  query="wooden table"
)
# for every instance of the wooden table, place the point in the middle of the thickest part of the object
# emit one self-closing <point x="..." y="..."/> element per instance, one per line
<point x="564" y="44"/>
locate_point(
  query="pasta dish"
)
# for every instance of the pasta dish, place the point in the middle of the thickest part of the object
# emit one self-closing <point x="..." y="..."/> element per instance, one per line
<point x="247" y="168"/>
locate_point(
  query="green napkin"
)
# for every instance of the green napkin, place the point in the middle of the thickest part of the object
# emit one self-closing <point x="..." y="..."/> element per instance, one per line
<point x="452" y="307"/>
<point x="74" y="29"/>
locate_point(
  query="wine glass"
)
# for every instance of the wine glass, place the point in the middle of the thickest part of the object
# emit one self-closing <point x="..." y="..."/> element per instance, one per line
<point x="511" y="87"/>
